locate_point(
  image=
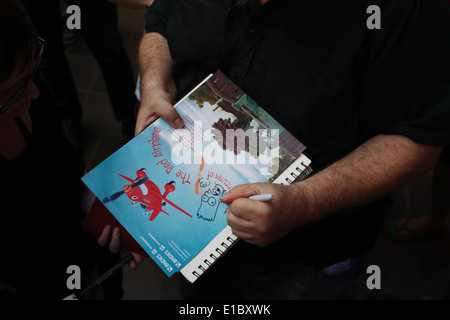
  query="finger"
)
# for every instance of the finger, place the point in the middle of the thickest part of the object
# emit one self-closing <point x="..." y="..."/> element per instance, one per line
<point x="102" y="240"/>
<point x="114" y="244"/>
<point x="242" y="231"/>
<point x="247" y="237"/>
<point x="166" y="111"/>
<point x="238" y="224"/>
<point x="241" y="191"/>
<point x="162" y="108"/>
<point x="247" y="209"/>
<point x="137" y="258"/>
<point x="239" y="209"/>
<point x="132" y="264"/>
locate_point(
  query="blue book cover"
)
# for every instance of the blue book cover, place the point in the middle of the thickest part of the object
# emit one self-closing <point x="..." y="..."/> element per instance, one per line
<point x="164" y="186"/>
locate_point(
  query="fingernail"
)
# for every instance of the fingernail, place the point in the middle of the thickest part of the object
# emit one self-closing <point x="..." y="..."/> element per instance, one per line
<point x="178" y="123"/>
<point x="225" y="196"/>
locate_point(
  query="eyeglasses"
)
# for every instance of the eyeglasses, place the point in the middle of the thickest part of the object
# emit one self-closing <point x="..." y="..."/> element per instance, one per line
<point x="24" y="84"/>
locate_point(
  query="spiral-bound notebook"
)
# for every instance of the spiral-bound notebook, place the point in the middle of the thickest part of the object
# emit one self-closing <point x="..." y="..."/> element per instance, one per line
<point x="164" y="186"/>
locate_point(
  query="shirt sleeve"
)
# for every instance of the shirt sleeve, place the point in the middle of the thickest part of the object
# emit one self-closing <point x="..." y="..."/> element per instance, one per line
<point x="406" y="82"/>
<point x="156" y="17"/>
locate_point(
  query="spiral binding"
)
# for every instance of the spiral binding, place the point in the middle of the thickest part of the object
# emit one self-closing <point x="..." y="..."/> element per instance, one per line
<point x="213" y="251"/>
<point x="213" y="258"/>
<point x="297" y="171"/>
<point x="302" y="174"/>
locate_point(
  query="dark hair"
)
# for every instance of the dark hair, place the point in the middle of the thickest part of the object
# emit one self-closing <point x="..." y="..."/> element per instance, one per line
<point x="17" y="37"/>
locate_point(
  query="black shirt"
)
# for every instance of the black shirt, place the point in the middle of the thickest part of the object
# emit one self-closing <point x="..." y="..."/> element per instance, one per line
<point x="329" y="80"/>
<point x="194" y="32"/>
<point x="321" y="72"/>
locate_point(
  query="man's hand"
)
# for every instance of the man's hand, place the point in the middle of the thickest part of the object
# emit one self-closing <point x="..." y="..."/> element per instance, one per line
<point x="158" y="90"/>
<point x="262" y="223"/>
<point x="113" y="243"/>
<point x="156" y="103"/>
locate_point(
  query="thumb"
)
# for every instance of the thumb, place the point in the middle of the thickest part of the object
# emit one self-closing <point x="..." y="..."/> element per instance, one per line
<point x="171" y="116"/>
<point x="241" y="191"/>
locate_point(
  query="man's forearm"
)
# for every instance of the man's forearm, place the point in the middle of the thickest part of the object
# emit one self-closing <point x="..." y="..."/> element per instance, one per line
<point x="378" y="167"/>
<point x="158" y="90"/>
<point x="155" y="64"/>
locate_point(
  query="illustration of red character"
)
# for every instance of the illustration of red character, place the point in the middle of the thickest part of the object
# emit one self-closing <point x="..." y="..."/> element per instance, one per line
<point x="142" y="191"/>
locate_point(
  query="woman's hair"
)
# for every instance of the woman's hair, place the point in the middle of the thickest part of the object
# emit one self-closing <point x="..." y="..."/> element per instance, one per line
<point x="17" y="37"/>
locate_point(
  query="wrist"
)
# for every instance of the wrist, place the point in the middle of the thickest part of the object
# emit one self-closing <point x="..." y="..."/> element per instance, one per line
<point x="154" y="97"/>
<point x="154" y="91"/>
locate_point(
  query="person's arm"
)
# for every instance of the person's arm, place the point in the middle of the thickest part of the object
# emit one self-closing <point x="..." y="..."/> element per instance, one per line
<point x="376" y="168"/>
<point x="111" y="238"/>
<point x="158" y="90"/>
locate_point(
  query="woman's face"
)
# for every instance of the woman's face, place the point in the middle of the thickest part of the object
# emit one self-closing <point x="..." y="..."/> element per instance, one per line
<point x="18" y="82"/>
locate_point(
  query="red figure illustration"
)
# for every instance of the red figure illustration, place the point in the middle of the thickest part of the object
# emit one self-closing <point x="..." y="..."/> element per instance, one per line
<point x="142" y="191"/>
